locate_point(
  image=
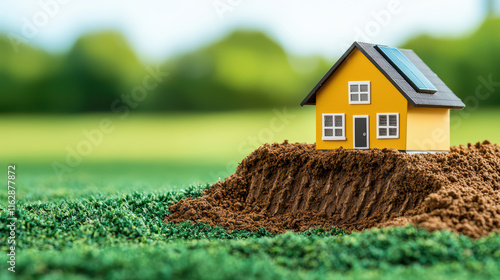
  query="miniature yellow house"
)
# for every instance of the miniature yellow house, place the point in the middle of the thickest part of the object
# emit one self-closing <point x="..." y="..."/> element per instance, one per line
<point x="376" y="96"/>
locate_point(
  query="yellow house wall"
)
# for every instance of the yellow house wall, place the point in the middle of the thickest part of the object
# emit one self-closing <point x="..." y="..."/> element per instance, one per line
<point x="428" y="129"/>
<point x="333" y="98"/>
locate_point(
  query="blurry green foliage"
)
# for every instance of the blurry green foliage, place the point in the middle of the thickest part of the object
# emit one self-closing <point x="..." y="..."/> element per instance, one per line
<point x="89" y="77"/>
<point x="97" y="70"/>
<point x="244" y="70"/>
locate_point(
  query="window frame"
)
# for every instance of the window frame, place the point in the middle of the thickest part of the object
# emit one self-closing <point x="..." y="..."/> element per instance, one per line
<point x="359" y="83"/>
<point x="387" y="126"/>
<point x="332" y="127"/>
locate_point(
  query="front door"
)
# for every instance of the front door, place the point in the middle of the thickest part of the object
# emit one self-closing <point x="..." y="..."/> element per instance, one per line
<point x="360" y="132"/>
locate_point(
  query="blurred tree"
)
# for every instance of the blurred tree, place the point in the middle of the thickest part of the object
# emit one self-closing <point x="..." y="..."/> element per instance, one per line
<point x="20" y="75"/>
<point x="244" y="70"/>
<point x="95" y="72"/>
<point x="100" y="67"/>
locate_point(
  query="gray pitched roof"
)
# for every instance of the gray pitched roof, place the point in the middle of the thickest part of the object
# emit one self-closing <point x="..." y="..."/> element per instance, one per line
<point x="443" y="98"/>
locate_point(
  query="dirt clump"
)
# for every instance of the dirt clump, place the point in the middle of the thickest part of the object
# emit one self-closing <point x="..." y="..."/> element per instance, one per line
<point x="296" y="187"/>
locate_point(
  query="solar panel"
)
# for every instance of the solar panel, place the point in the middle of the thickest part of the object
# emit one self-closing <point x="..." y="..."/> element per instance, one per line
<point x="407" y="69"/>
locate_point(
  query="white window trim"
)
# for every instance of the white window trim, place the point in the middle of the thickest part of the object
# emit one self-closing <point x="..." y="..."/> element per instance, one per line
<point x="387" y="126"/>
<point x="359" y="99"/>
<point x="333" y="127"/>
<point x="367" y="117"/>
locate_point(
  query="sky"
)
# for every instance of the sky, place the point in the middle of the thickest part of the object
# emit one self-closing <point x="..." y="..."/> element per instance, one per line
<point x="157" y="29"/>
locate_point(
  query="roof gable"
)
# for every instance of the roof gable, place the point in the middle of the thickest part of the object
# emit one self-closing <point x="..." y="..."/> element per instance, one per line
<point x="442" y="98"/>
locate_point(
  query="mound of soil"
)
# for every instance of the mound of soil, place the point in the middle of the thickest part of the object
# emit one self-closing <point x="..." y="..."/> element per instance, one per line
<point x="296" y="187"/>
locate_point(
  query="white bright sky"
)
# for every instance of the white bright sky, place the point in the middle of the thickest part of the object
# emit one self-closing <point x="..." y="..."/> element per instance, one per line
<point x="158" y="29"/>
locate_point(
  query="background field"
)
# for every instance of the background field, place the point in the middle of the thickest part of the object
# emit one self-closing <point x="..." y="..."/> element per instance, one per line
<point x="164" y="152"/>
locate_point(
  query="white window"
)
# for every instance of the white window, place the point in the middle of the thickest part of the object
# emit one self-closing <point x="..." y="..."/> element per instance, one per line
<point x="333" y="126"/>
<point x="387" y="125"/>
<point x="359" y="92"/>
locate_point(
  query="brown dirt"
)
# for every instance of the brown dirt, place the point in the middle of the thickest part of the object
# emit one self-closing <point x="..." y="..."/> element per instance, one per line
<point x="295" y="187"/>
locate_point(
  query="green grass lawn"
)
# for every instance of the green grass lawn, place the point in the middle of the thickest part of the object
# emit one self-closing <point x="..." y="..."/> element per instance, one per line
<point x="123" y="236"/>
<point x="103" y="219"/>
